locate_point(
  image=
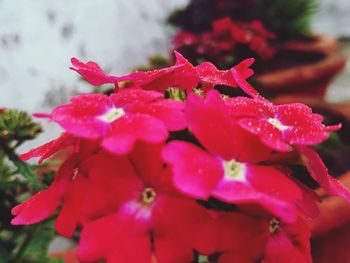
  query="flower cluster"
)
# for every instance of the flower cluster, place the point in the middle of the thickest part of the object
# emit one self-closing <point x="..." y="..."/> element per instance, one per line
<point x="226" y="37"/>
<point x="170" y="168"/>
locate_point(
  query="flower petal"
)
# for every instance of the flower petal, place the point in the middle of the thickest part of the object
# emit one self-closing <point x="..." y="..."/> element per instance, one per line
<point x="195" y="172"/>
<point x="319" y="173"/>
<point x="47" y="150"/>
<point x="130" y="128"/>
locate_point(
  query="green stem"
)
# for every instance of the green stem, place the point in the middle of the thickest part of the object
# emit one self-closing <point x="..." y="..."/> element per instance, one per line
<point x="24" y="168"/>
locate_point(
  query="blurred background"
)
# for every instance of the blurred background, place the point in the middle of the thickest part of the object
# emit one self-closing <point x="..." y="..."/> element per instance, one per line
<point x="38" y="38"/>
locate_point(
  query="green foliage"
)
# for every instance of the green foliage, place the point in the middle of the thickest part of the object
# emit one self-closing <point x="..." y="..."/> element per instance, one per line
<point x="25" y="244"/>
<point x="17" y="126"/>
<point x="290" y="20"/>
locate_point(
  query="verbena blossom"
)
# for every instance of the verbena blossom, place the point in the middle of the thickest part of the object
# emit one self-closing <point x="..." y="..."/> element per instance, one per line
<point x="177" y="177"/>
<point x="226" y="35"/>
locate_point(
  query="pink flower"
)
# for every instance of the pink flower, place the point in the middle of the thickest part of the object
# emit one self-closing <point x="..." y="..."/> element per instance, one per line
<point x="227" y="170"/>
<point x="279" y="126"/>
<point x="152" y="216"/>
<point x="121" y="119"/>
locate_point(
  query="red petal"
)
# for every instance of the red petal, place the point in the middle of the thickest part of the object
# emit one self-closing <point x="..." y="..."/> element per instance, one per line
<point x="37" y="208"/>
<point x="239" y="74"/>
<point x="210" y="123"/>
<point x="114" y="240"/>
<point x="184" y="223"/>
<point x="290" y="243"/>
<point x="146" y="159"/>
<point x="195" y="171"/>
<point x="236" y="232"/>
<point x="44" y="203"/>
<point x="50" y="148"/>
<point x="319" y="173"/>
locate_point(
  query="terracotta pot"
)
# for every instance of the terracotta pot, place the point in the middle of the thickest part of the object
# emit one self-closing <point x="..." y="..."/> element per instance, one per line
<point x="303" y="68"/>
<point x="331" y="230"/>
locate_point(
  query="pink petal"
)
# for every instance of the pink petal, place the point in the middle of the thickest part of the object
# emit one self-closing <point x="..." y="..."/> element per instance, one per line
<point x="256" y="187"/>
<point x="269" y="135"/>
<point x="134" y="97"/>
<point x="247" y="107"/>
<point x="170" y="112"/>
<point x="130" y="128"/>
<point x="81" y="116"/>
<point x="306" y="128"/>
<point x="195" y="172"/>
<point x="92" y="72"/>
<point x="319" y="173"/>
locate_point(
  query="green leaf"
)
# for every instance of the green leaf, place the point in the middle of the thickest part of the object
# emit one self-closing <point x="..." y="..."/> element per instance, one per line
<point x="26" y="170"/>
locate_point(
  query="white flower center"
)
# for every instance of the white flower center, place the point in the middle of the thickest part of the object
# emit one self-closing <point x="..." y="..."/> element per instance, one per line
<point x="276" y="123"/>
<point x="112" y="115"/>
<point x="234" y="170"/>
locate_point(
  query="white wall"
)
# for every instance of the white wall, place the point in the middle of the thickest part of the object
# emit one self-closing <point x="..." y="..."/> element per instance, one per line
<point x="38" y="38"/>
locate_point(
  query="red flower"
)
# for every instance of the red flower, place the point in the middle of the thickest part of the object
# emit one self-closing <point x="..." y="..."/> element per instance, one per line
<point x="226" y="171"/>
<point x="288" y="242"/>
<point x="182" y="75"/>
<point x="234" y="31"/>
<point x="279" y="126"/>
<point x="121" y="119"/>
<point x="153" y="217"/>
<point x="252" y="239"/>
<point x="70" y="176"/>
<point x="184" y="39"/>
